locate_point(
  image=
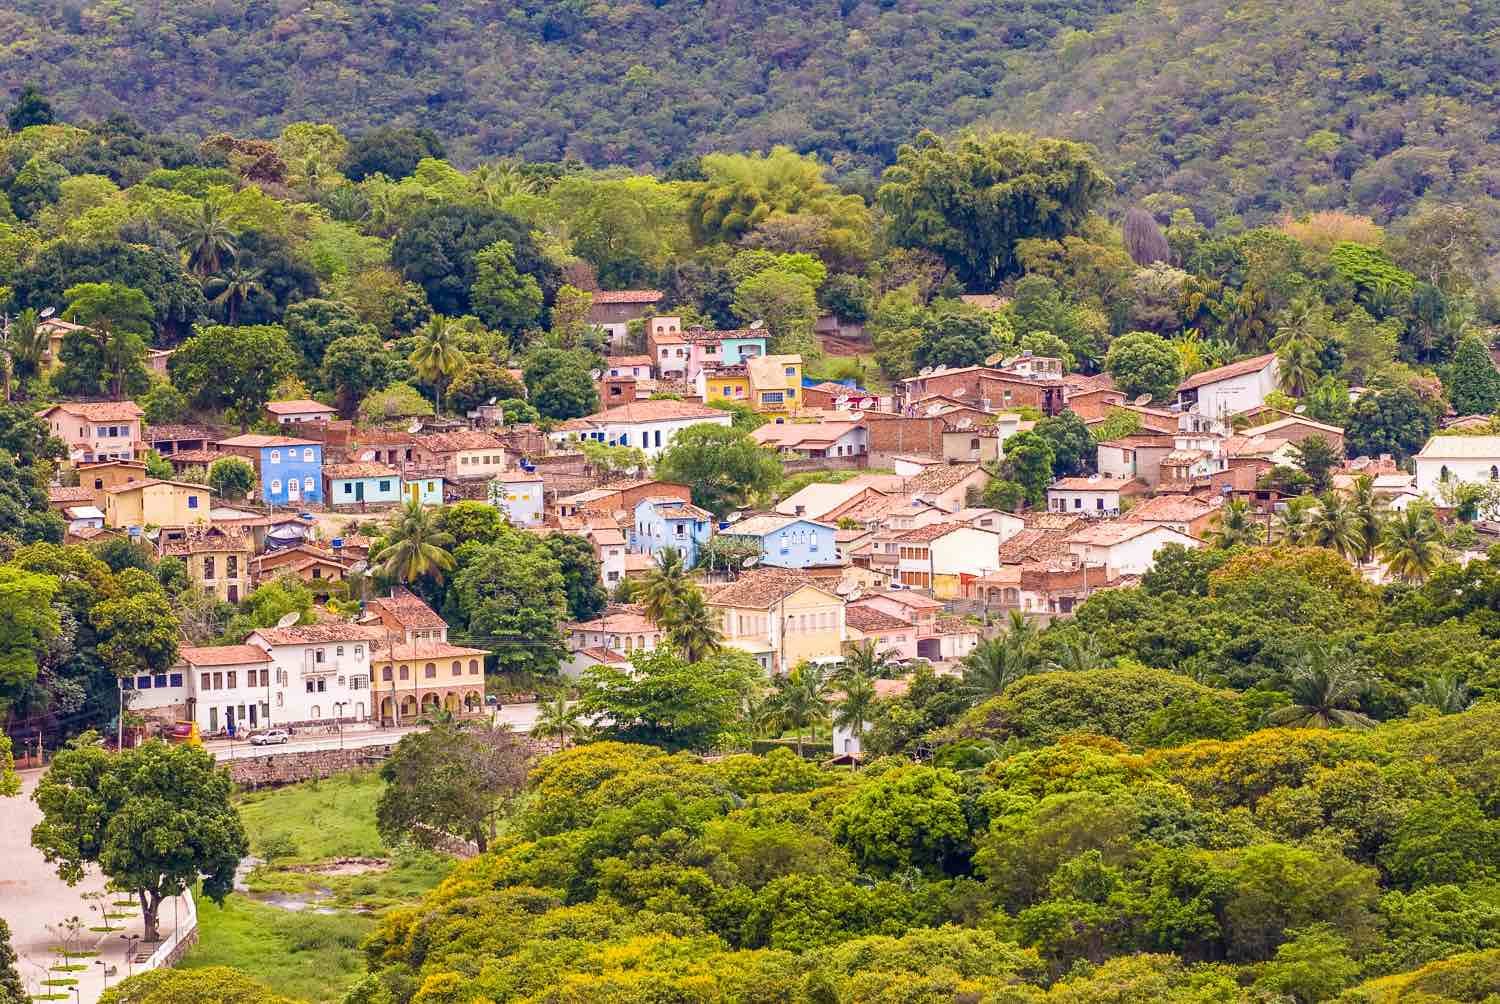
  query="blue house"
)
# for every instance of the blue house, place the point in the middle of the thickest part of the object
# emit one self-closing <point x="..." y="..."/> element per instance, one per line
<point x="289" y="471"/>
<point x="362" y="484"/>
<point x="737" y="346"/>
<point x="787" y="541"/>
<point x="425" y="489"/>
<point x="662" y="523"/>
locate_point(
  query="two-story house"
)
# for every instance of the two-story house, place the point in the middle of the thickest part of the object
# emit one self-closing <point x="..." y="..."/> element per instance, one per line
<point x="219" y="687"/>
<point x="946" y="558"/>
<point x="669" y="523"/>
<point x="217" y="559"/>
<point x="519" y="496"/>
<point x="787" y="541"/>
<point x="154" y="502"/>
<point x="612" y="637"/>
<point x="288" y="471"/>
<point x="780" y="618"/>
<point x="109" y="430"/>
<point x="1228" y="390"/>
<point x="709" y="349"/>
<point x="294" y="412"/>
<point x="321" y="672"/>
<point x="416" y="671"/>
<point x="463" y="453"/>
<point x="613" y="310"/>
<point x="775" y="383"/>
<point x="667" y="347"/>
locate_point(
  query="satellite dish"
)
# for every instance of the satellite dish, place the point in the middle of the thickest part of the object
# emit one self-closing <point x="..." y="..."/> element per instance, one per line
<point x="47" y="312"/>
<point x="287" y="620"/>
<point x="1008" y="362"/>
<point x="750" y="562"/>
<point x="493" y="400"/>
<point x="415" y="426"/>
<point x="939" y="368"/>
<point x="925" y="371"/>
<point x="1299" y="409"/>
<point x="367" y="455"/>
<point x="1142" y="401"/>
<point x="756" y="325"/>
<point x="994" y="358"/>
<point x="964" y="423"/>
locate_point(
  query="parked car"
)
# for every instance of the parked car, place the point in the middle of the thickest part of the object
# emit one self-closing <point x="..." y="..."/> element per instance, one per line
<point x="268" y="737"/>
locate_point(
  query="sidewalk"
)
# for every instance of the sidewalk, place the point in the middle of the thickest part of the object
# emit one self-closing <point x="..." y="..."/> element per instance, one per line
<point x="34" y="902"/>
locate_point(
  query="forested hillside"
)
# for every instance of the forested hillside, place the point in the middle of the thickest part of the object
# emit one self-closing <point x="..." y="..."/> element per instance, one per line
<point x="640" y="84"/>
<point x="1265" y="107"/>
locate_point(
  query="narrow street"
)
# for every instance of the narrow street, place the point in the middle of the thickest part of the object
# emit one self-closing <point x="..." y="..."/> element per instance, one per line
<point x="520" y="717"/>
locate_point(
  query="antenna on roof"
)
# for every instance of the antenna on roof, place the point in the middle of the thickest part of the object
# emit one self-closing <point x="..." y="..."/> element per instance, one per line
<point x="1299" y="409"/>
<point x="757" y="324"/>
<point x="964" y="423"/>
<point x="288" y="619"/>
<point x="367" y="455"/>
<point x="925" y="371"/>
<point x="47" y="312"/>
<point x="1142" y="401"/>
<point x="994" y="358"/>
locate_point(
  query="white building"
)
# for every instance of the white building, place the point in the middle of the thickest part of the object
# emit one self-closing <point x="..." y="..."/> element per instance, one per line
<point x="519" y="496"/>
<point x="1453" y="460"/>
<point x="291" y="412"/>
<point x="1125" y="548"/>
<point x="1094" y="497"/>
<point x="646" y="425"/>
<point x="1229" y="390"/>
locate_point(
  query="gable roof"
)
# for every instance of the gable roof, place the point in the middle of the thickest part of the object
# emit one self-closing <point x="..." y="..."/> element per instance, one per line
<point x="362" y="469"/>
<point x="1228" y="372"/>
<point x="103" y="411"/>
<point x="1172" y="508"/>
<point x="1461" y="448"/>
<point x="406" y="609"/>
<point x="819" y="499"/>
<point x="1110" y="533"/>
<point x="759" y="526"/>
<point x="770" y="371"/>
<point x="869" y="619"/>
<point x="761" y="589"/>
<point x="151" y="483"/>
<point x="257" y="440"/>
<point x="222" y="655"/>
<point x="790" y="435"/>
<point x="461" y="439"/>
<point x="301" y="406"/>
<point x="664" y="410"/>
<point x="941" y="478"/>
<point x="304" y="634"/>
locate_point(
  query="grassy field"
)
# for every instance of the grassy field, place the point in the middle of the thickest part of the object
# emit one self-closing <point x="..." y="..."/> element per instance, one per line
<point x="299" y="926"/>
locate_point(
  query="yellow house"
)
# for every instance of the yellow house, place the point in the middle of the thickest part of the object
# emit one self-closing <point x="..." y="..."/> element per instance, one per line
<point x="154" y="502"/>
<point x="216" y="559"/>
<point x="775" y="384"/>
<point x="726" y="383"/>
<point x="780" y="618"/>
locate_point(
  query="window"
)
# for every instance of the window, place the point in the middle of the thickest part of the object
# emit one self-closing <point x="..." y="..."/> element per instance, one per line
<point x="1099" y="502"/>
<point x="359" y="650"/>
<point x="473" y="667"/>
<point x="310" y="687"/>
<point x="232" y="566"/>
<point x="385" y="485"/>
<point x="308" y="486"/>
<point x="143" y="683"/>
<point x="1077" y="503"/>
<point x="276" y="486"/>
<point x="458" y="668"/>
<point x="308" y="455"/>
<point x="791" y="371"/>
<point x="275" y="456"/>
<point x="429" y="670"/>
<point x="1444" y="474"/>
<point x="208" y="567"/>
<point x="348" y="488"/>
<point x="218" y="681"/>
<point x="322" y="684"/>
<point x="204" y="680"/>
<point x="405" y="673"/>
<point x="233" y="679"/>
<point x="319" y="655"/>
<point x="358" y="682"/>
<point x="99" y="483"/>
<point x="126" y="683"/>
<point x="192" y="501"/>
<point x="385" y="674"/>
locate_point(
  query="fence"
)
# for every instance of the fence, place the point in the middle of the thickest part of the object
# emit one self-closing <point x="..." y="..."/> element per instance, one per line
<point x="184" y="936"/>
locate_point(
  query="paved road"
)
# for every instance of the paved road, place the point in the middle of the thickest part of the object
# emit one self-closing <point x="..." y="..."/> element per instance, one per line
<point x="519" y="717"/>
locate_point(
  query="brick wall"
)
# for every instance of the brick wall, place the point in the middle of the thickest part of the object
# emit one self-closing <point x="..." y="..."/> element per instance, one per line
<point x="892" y="435"/>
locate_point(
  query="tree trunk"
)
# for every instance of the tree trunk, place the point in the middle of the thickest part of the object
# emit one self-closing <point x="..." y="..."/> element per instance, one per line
<point x="150" y="907"/>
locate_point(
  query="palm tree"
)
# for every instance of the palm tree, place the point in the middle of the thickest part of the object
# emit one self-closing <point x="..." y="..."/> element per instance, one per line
<point x="1366" y="514"/>
<point x="24" y="347"/>
<point x="437" y="357"/>
<point x="234" y="288"/>
<point x="1336" y="527"/>
<point x="1411" y="544"/>
<point x="1236" y="525"/>
<point x="1325" y="693"/>
<point x="415" y="547"/>
<point x="864" y="658"/>
<point x="854" y="707"/>
<point x="1079" y="654"/>
<point x="209" y="242"/>
<point x="801" y="699"/>
<point x="1448" y="694"/>
<point x="557" y="719"/>
<point x="663" y="587"/>
<point x="1293" y="525"/>
<point x="996" y="663"/>
<point x="1297" y="343"/>
<point x="691" y="626"/>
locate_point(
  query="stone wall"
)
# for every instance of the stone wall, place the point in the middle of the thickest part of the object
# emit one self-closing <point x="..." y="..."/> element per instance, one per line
<point x="275" y="769"/>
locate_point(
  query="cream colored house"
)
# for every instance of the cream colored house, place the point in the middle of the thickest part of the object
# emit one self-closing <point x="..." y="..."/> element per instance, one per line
<point x="154" y="502"/>
<point x="781" y="619"/>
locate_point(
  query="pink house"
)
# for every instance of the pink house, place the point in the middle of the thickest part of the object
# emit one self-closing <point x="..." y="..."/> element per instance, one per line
<point x="892" y="635"/>
<point x="110" y="430"/>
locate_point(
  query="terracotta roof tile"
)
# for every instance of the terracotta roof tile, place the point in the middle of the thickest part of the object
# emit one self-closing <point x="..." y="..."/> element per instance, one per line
<point x="299" y="407"/>
<point x="406" y="609"/>
<point x="1228" y="372"/>
<point x="304" y="634"/>
<point x="103" y="411"/>
<point x="759" y="589"/>
<point x="222" y="655"/>
<point x="362" y="469"/>
<point x="627" y="296"/>
<point x="868" y="620"/>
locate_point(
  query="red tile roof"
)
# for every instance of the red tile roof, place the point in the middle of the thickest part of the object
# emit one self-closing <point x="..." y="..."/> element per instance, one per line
<point x="1228" y="372"/>
<point x="627" y="296"/>
<point x="222" y="655"/>
<point x="105" y="411"/>
<point x="406" y="609"/>
<point x="300" y="407"/>
<point x="257" y="440"/>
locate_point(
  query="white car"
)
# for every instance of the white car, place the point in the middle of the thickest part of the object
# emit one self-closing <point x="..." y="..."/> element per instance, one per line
<point x="268" y="737"/>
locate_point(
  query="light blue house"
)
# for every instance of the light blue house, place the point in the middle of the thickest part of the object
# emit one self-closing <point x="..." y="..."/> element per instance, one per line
<point x="736" y="347"/>
<point x="288" y="471"/>
<point x="361" y="485"/>
<point x="787" y="541"/>
<point x="662" y="523"/>
<point x="424" y="489"/>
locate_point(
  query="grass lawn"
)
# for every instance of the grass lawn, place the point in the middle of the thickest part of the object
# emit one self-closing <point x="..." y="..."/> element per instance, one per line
<point x="304" y="953"/>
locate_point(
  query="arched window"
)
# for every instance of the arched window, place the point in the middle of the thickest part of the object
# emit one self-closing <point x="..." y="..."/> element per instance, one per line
<point x="473" y="666"/>
<point x="405" y="673"/>
<point x="1494" y="472"/>
<point x="429" y="670"/>
<point x="458" y="668"/>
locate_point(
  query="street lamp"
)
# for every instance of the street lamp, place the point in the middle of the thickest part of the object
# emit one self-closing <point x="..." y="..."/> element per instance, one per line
<point x="103" y="970"/>
<point x="130" y="940"/>
<point x="338" y="707"/>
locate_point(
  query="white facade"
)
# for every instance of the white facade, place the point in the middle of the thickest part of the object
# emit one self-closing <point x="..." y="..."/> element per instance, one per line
<point x="1099" y="500"/>
<point x="1231" y="396"/>
<point x="1453" y="460"/>
<point x="1126" y="550"/>
<point x="651" y="437"/>
<point x="519" y="497"/>
<point x="319" y="681"/>
<point x="966" y="551"/>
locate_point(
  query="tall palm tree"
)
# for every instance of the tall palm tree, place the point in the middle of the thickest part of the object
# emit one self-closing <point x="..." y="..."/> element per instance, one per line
<point x="854" y="707"/>
<point x="437" y="357"/>
<point x="24" y="347"/>
<point x="1366" y="510"/>
<point x="1079" y="654"/>
<point x="209" y="242"/>
<point x="996" y="663"/>
<point x="1293" y="524"/>
<point x="663" y="587"/>
<point x="691" y="626"/>
<point x="801" y="699"/>
<point x="1336" y="527"/>
<point x="1325" y="693"/>
<point x="233" y="289"/>
<point x="415" y="547"/>
<point x="557" y="719"/>
<point x="1297" y="343"/>
<point x="1236" y="525"/>
<point x="1411" y="544"/>
<point x="866" y="659"/>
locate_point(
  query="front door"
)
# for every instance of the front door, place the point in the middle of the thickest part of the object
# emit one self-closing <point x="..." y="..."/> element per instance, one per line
<point x="359" y="491"/>
<point x="293" y="489"/>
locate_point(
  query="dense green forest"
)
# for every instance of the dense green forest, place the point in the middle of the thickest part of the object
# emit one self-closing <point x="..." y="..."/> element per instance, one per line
<point x="1247" y="109"/>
